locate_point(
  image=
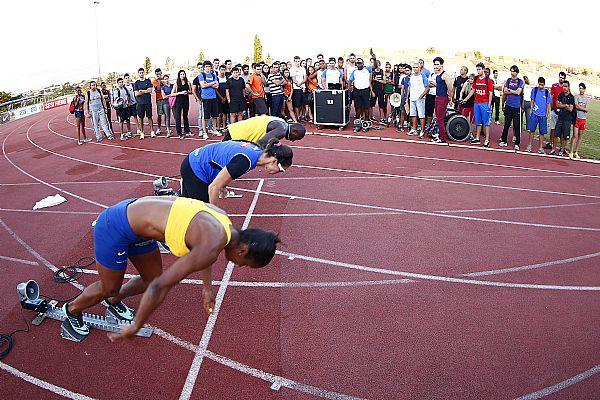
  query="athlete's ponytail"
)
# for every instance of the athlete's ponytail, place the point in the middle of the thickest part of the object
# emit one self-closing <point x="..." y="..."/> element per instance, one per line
<point x="280" y="151"/>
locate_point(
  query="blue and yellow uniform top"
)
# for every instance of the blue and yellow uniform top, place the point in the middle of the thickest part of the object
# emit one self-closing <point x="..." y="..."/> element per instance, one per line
<point x="251" y="129"/>
<point x="182" y="212"/>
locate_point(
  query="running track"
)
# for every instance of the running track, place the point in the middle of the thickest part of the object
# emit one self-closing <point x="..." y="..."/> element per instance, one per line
<point x="408" y="271"/>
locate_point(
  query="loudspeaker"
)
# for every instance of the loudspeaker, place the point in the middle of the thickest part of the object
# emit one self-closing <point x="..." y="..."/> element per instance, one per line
<point x="160" y="183"/>
<point x="331" y="107"/>
<point x="29" y="290"/>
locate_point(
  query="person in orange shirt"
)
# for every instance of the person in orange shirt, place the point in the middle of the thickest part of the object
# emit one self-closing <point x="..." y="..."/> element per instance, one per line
<point x="256" y="87"/>
<point x="287" y="91"/>
<point x="312" y="84"/>
<point x="160" y="110"/>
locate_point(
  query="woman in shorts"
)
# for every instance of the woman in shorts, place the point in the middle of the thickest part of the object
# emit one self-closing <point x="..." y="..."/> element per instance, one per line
<point x="287" y="91"/>
<point x="79" y="101"/>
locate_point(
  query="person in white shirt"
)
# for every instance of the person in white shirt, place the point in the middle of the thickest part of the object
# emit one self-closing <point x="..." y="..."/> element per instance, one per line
<point x="498" y="93"/>
<point x="526" y="109"/>
<point x="298" y="75"/>
<point x="332" y="77"/>
<point x="360" y="83"/>
<point x="417" y="90"/>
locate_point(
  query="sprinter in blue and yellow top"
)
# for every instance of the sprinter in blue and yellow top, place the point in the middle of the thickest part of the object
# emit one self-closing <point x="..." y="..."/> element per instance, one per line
<point x="206" y="171"/>
<point x="263" y="128"/>
<point x="194" y="231"/>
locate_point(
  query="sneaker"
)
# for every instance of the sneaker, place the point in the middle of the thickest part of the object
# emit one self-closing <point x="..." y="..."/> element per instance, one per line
<point x="548" y="146"/>
<point x="86" y="140"/>
<point x="189" y="134"/>
<point x="577" y="155"/>
<point x="541" y="151"/>
<point x="502" y="144"/>
<point x="516" y="148"/>
<point x="204" y="136"/>
<point x="560" y="153"/>
<point x="399" y="130"/>
<point x="152" y="134"/>
<point x="552" y="152"/>
<point x="355" y="130"/>
<point x="475" y="141"/>
<point x="142" y="136"/>
<point x="158" y="132"/>
<point x="130" y="135"/>
<point x="437" y="140"/>
<point x="111" y="137"/>
<point x="529" y="149"/>
<point x="168" y="134"/>
<point x="74" y="323"/>
<point x="123" y="136"/>
<point x="80" y="142"/>
<point x="571" y="155"/>
<point x="180" y="136"/>
<point x="98" y="140"/>
<point x="169" y="131"/>
<point x="497" y="122"/>
<point x="139" y="132"/>
<point x="486" y="143"/>
<point x="217" y="133"/>
<point x="421" y="135"/>
<point x="412" y="132"/>
<point x="119" y="310"/>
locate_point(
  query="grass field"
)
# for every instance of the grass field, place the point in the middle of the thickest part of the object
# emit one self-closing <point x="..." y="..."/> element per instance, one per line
<point x="590" y="144"/>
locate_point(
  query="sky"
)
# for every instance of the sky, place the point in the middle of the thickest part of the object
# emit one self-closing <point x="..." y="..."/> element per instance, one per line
<point x="57" y="42"/>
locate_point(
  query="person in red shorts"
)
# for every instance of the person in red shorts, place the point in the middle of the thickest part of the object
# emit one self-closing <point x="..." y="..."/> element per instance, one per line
<point x="581" y="107"/>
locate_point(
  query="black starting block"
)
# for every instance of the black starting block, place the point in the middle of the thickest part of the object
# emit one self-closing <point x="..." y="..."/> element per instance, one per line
<point x="105" y="323"/>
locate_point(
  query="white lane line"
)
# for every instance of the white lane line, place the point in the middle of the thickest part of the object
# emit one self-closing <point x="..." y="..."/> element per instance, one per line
<point x="533" y="266"/>
<point x="49" y="211"/>
<point x="425" y="213"/>
<point x="281" y="284"/>
<point x="437" y="277"/>
<point x="449" y="181"/>
<point x="78" y="182"/>
<point x="445" y="159"/>
<point x="19" y="260"/>
<point x="246" y="369"/>
<point x="43" y="384"/>
<point x="561" y="385"/>
<point x="190" y="381"/>
<point x="39" y="180"/>
<point x="477" y="210"/>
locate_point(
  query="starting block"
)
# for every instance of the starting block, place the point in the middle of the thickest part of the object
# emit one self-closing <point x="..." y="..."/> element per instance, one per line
<point x="106" y="323"/>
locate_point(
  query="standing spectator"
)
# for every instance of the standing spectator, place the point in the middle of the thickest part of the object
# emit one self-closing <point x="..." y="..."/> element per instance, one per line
<point x="388" y="89"/>
<point x="265" y="70"/>
<point x="143" y="87"/>
<point x="209" y="83"/>
<point x="275" y="82"/>
<point x="430" y="102"/>
<point x="79" y="101"/>
<point x="332" y="77"/>
<point x="484" y="92"/>
<point x="311" y="86"/>
<point x="245" y="73"/>
<point x="498" y="93"/>
<point x="298" y="75"/>
<point x="342" y="69"/>
<point x="132" y="104"/>
<point x="360" y="81"/>
<point x="443" y="96"/>
<point x="417" y="90"/>
<point x="309" y="62"/>
<point x="288" y="92"/>
<point x="527" y="88"/>
<point x="467" y="100"/>
<point x="222" y="95"/>
<point x="236" y="95"/>
<point x="404" y="100"/>
<point x="565" y="105"/>
<point x="581" y="105"/>
<point x="422" y="68"/>
<point x="377" y="83"/>
<point x="320" y="57"/>
<point x="320" y="72"/>
<point x="96" y="110"/>
<point x="459" y="81"/>
<point x="513" y="89"/>
<point x="540" y="100"/>
<point x="216" y="63"/>
<point x="555" y="90"/>
<point x="197" y="92"/>
<point x="106" y="95"/>
<point x="167" y="89"/>
<point x="182" y="90"/>
<point x="228" y="68"/>
<point x="121" y="102"/>
<point x="255" y="86"/>
<point x="160" y="110"/>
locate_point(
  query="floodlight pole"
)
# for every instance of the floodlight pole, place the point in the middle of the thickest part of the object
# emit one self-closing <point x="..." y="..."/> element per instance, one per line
<point x="95" y="4"/>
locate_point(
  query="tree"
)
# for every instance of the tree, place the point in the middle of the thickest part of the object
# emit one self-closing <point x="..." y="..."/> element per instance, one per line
<point x="477" y="54"/>
<point x="169" y="63"/>
<point x="431" y="50"/>
<point x="201" y="57"/>
<point x="247" y="60"/>
<point x="268" y="59"/>
<point x="147" y="65"/>
<point x="111" y="78"/>
<point x="257" y="49"/>
<point x="5" y="96"/>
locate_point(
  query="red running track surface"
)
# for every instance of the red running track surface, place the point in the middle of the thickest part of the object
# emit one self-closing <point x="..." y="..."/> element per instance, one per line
<point x="408" y="271"/>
